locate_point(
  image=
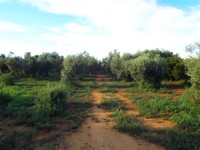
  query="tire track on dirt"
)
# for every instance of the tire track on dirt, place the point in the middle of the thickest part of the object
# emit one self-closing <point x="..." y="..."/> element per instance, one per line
<point x="97" y="132"/>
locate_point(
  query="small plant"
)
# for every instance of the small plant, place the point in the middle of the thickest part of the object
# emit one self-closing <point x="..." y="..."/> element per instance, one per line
<point x="7" y="79"/>
<point x="128" y="123"/>
<point x="106" y="89"/>
<point x="110" y="103"/>
<point x="134" y="99"/>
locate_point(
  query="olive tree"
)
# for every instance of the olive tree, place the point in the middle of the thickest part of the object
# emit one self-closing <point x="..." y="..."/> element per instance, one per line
<point x="116" y="65"/>
<point x="175" y="68"/>
<point x="147" y="70"/>
<point x="193" y="70"/>
<point x="69" y="72"/>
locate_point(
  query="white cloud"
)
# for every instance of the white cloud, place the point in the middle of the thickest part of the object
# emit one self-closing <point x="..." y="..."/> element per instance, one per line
<point x="129" y="25"/>
<point x="6" y="26"/>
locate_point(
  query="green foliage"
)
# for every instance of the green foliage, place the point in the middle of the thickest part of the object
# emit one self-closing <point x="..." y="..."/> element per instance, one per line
<point x="3" y="66"/>
<point x="76" y="66"/>
<point x="178" y="140"/>
<point x="15" y="65"/>
<point x="158" y="108"/>
<point x="116" y="65"/>
<point x="193" y="66"/>
<point x="7" y="79"/>
<point x="174" y="139"/>
<point x="42" y="111"/>
<point x="31" y="66"/>
<point x="58" y="98"/>
<point x="128" y="123"/>
<point x="110" y="103"/>
<point x="70" y="67"/>
<point x="175" y="68"/>
<point x="106" y="89"/>
<point x="147" y="70"/>
<point x="4" y="99"/>
<point x="184" y="113"/>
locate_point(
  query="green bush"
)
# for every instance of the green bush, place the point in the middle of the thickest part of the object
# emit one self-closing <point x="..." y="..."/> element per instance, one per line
<point x="147" y="70"/>
<point x="193" y="66"/>
<point x="58" y="98"/>
<point x="175" y="68"/>
<point x="42" y="111"/>
<point x="7" y="79"/>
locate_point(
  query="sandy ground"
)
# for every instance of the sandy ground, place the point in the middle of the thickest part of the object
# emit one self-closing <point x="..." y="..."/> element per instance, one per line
<point x="97" y="132"/>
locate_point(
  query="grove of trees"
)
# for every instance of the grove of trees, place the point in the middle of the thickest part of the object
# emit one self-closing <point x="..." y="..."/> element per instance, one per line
<point x="146" y="68"/>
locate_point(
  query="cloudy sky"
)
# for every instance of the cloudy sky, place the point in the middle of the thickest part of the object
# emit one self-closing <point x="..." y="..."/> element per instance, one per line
<point x="97" y="26"/>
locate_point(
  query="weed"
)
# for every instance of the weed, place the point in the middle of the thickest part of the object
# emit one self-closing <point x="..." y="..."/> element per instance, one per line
<point x="58" y="98"/>
<point x="134" y="99"/>
<point x="106" y="89"/>
<point x="158" y="108"/>
<point x="110" y="103"/>
<point x="128" y="123"/>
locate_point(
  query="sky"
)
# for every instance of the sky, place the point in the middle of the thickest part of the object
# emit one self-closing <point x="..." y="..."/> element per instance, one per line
<point x="97" y="26"/>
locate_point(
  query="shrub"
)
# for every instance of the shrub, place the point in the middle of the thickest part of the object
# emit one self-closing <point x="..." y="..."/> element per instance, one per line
<point x="147" y="70"/>
<point x="7" y="79"/>
<point x="175" y="68"/>
<point x="57" y="98"/>
<point x="42" y="110"/>
<point x="193" y="66"/>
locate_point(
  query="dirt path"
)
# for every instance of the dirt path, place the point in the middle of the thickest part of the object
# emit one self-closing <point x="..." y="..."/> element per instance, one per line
<point x="97" y="131"/>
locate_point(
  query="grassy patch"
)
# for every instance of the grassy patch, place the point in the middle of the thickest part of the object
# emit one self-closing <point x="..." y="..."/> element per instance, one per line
<point x="128" y="123"/>
<point x="134" y="98"/>
<point x="110" y="103"/>
<point x="106" y="89"/>
<point x="170" y="138"/>
<point x="159" y="108"/>
<point x="137" y="89"/>
<point x="183" y="112"/>
<point x="38" y="104"/>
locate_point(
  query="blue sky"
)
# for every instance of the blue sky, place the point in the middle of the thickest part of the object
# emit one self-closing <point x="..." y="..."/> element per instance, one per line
<point x="97" y="26"/>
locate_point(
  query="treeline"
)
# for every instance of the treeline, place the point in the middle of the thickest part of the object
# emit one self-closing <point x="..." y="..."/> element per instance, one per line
<point x="147" y="68"/>
<point x="31" y="66"/>
<point x="74" y="66"/>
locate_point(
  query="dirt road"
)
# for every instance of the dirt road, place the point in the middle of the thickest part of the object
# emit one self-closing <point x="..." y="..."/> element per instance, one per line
<point x="97" y="132"/>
